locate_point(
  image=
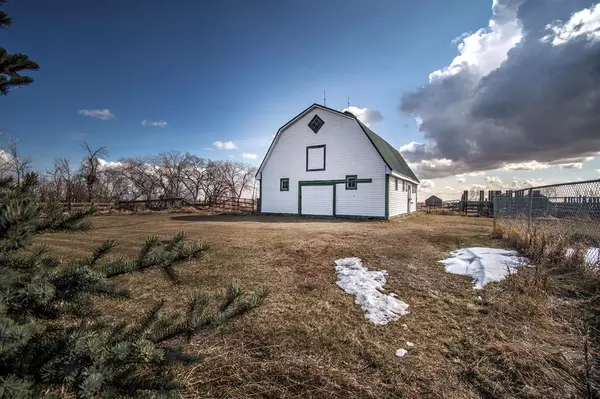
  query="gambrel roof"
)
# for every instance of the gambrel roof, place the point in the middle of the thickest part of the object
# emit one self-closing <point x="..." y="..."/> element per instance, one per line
<point x="391" y="156"/>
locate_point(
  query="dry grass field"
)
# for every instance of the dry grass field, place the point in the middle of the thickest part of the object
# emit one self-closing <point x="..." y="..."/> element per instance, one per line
<point x="311" y="341"/>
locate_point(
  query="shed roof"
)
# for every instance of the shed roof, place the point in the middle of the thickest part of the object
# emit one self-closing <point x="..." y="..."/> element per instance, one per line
<point x="434" y="198"/>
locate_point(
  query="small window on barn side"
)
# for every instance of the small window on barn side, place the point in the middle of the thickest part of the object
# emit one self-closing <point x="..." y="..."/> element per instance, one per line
<point x="351" y="182"/>
<point x="284" y="184"/>
<point x="396" y="183"/>
<point x="403" y="185"/>
<point x="316" y="123"/>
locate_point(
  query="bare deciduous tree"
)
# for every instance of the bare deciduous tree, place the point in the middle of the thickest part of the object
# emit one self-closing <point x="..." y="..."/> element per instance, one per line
<point x="238" y="177"/>
<point x="90" y="167"/>
<point x="18" y="166"/>
<point x="194" y="176"/>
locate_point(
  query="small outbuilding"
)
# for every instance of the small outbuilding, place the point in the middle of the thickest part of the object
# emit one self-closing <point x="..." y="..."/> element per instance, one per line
<point x="433" y="201"/>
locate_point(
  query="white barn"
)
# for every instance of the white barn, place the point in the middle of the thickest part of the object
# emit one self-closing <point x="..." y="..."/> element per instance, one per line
<point x="326" y="162"/>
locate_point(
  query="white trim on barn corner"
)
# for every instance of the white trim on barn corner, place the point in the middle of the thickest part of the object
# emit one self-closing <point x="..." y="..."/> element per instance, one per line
<point x="281" y="129"/>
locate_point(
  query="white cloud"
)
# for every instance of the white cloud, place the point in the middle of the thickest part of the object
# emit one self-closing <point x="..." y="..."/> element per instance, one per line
<point x="583" y="23"/>
<point x="486" y="49"/>
<point x="461" y="180"/>
<point x="531" y="165"/>
<point x="249" y="155"/>
<point x="154" y="123"/>
<point x="224" y="145"/>
<point x="494" y="181"/>
<point x="509" y="95"/>
<point x="474" y="174"/>
<point x="597" y="171"/>
<point x="104" y="164"/>
<point x="572" y="165"/>
<point x="478" y="187"/>
<point x="208" y="149"/>
<point x="366" y="115"/>
<point x="526" y="183"/>
<point x="103" y="114"/>
<point x="427" y="184"/>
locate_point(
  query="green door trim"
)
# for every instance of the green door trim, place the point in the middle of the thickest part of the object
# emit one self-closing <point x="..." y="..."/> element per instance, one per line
<point x="260" y="197"/>
<point x="387" y="196"/>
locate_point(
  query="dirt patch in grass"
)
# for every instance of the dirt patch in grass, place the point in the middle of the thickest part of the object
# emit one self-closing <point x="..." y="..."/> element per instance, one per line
<point x="311" y="340"/>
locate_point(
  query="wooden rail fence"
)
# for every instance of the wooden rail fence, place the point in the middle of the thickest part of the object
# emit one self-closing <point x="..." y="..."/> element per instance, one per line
<point x="244" y="205"/>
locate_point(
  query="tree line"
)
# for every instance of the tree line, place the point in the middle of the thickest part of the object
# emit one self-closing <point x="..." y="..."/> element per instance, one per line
<point x="167" y="175"/>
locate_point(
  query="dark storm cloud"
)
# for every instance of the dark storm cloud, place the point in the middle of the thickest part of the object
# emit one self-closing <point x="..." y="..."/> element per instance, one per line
<point x="542" y="103"/>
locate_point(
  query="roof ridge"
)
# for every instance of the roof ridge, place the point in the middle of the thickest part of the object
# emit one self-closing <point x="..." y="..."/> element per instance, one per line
<point x="391" y="156"/>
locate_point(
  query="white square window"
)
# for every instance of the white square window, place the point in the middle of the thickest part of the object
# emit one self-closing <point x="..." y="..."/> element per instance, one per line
<point x="315" y="158"/>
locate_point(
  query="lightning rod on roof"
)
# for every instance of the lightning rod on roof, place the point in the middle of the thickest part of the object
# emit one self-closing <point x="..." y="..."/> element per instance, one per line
<point x="324" y="99"/>
<point x="348" y="102"/>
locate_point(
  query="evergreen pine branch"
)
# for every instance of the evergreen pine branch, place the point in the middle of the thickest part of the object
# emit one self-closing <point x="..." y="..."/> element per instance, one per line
<point x="12" y="386"/>
<point x="102" y="251"/>
<point x="233" y="292"/>
<point x="5" y="20"/>
<point x="76" y="349"/>
<point x="176" y="242"/>
<point x="69" y="222"/>
<point x="142" y="256"/>
<point x="147" y="320"/>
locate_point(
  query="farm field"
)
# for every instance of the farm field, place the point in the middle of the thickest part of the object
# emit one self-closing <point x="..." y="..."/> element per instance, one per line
<point x="311" y="340"/>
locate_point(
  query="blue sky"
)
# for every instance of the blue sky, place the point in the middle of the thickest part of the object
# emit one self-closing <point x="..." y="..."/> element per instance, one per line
<point x="227" y="70"/>
<point x="200" y="72"/>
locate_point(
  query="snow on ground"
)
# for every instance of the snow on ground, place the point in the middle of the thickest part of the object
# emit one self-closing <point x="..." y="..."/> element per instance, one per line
<point x="367" y="286"/>
<point x="592" y="255"/>
<point x="401" y="352"/>
<point x="483" y="264"/>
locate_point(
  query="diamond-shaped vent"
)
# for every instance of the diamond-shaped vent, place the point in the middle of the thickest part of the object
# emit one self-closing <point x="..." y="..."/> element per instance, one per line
<point x="316" y="123"/>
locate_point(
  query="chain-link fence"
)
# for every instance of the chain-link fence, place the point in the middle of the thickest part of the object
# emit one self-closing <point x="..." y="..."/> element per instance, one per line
<point x="570" y="211"/>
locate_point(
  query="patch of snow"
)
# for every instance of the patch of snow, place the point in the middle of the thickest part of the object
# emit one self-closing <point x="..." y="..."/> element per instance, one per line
<point x="401" y="352"/>
<point x="367" y="286"/>
<point x="591" y="256"/>
<point x="483" y="264"/>
<point x="404" y="326"/>
<point x="409" y="344"/>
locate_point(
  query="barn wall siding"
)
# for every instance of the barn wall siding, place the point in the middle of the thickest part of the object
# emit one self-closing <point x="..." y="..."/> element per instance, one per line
<point x="348" y="152"/>
<point x="367" y="200"/>
<point x="399" y="199"/>
<point x="398" y="204"/>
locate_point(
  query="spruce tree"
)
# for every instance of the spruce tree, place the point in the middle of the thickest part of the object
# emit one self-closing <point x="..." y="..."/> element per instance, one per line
<point x="13" y="65"/>
<point x="55" y="339"/>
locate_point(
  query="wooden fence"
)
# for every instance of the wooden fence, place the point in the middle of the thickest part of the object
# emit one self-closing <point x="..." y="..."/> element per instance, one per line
<point x="243" y="205"/>
<point x="75" y="206"/>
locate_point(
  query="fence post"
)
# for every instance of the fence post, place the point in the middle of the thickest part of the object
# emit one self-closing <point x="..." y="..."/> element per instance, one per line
<point x="494" y="210"/>
<point x="530" y="210"/>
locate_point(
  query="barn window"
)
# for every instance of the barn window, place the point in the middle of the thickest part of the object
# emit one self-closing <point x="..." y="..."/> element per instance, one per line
<point x="316" y="123"/>
<point x="396" y="183"/>
<point x="284" y="184"/>
<point x="315" y="158"/>
<point x="351" y="182"/>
